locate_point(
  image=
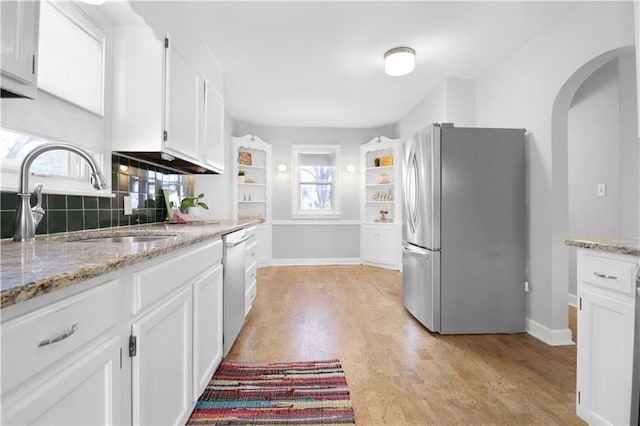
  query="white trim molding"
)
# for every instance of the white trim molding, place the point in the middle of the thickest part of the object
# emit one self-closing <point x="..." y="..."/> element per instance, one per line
<point x="315" y="262"/>
<point x="573" y="300"/>
<point x="559" y="337"/>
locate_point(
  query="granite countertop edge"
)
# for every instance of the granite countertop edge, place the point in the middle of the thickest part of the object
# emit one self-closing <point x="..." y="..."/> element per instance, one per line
<point x="181" y="236"/>
<point x="628" y="246"/>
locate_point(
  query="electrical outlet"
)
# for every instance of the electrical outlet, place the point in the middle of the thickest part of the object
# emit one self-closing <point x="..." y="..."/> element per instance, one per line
<point x="602" y="190"/>
<point x="127" y="206"/>
<point x="526" y="286"/>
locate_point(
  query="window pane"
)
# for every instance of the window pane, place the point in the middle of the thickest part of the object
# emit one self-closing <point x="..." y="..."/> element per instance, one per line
<point x="316" y="196"/>
<point x="316" y="174"/>
<point x="15" y="146"/>
<point x="69" y="60"/>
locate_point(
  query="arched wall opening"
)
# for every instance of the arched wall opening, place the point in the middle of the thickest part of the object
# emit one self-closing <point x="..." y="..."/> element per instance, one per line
<point x="562" y="258"/>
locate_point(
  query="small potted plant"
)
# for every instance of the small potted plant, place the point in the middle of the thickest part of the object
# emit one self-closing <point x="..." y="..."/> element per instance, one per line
<point x="240" y="176"/>
<point x="192" y="205"/>
<point x="376" y="162"/>
<point x="383" y="215"/>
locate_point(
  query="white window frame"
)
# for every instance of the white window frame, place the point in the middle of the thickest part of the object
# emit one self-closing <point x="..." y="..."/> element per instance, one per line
<point x="296" y="212"/>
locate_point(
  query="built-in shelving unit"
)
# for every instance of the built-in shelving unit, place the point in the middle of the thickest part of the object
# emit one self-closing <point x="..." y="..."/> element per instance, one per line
<point x="251" y="192"/>
<point x="381" y="213"/>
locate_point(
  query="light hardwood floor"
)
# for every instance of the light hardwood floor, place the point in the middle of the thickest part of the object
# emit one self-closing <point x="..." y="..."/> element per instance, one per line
<point x="398" y="372"/>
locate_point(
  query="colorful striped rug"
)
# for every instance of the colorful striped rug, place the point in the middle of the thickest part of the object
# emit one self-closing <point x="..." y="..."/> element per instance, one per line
<point x="289" y="393"/>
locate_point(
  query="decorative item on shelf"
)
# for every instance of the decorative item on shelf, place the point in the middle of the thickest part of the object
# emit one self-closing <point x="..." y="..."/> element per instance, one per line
<point x="386" y="161"/>
<point x="240" y="176"/>
<point x="249" y="180"/>
<point x="376" y="162"/>
<point x="383" y="215"/>
<point x="382" y="196"/>
<point x="384" y="178"/>
<point x="244" y="158"/>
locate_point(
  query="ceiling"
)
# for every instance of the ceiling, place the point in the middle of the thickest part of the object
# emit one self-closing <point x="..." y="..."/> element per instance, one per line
<point x="320" y="63"/>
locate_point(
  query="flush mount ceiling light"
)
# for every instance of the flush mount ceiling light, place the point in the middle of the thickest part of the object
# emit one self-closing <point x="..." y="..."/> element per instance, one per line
<point x="399" y="61"/>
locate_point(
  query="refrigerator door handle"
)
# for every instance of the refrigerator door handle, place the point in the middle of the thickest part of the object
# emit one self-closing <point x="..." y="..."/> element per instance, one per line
<point x="415" y="251"/>
<point x="412" y="200"/>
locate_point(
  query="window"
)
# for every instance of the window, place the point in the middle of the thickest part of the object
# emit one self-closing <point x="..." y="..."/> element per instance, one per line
<point x="65" y="168"/>
<point x="316" y="192"/>
<point x="71" y="56"/>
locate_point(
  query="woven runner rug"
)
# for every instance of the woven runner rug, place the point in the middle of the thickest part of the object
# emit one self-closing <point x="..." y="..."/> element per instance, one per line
<point x="291" y="393"/>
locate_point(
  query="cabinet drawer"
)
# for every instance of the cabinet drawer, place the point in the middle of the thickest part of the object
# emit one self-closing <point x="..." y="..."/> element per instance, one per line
<point x="152" y="283"/>
<point x="250" y="296"/>
<point x="250" y="275"/>
<point x="610" y="273"/>
<point x="35" y="341"/>
<point x="250" y="256"/>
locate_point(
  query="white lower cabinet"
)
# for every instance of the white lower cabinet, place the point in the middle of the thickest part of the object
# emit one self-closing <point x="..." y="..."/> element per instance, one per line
<point x="207" y="328"/>
<point x="606" y="322"/>
<point x="380" y="245"/>
<point x="161" y="365"/>
<point x="61" y="362"/>
<point x="83" y="393"/>
<point x="138" y="345"/>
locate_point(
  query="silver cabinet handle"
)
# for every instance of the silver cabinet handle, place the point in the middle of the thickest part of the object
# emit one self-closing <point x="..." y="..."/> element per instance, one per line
<point x="605" y="276"/>
<point x="59" y="337"/>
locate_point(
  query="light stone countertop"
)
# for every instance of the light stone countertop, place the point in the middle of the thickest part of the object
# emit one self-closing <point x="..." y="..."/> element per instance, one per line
<point x="56" y="261"/>
<point x="612" y="245"/>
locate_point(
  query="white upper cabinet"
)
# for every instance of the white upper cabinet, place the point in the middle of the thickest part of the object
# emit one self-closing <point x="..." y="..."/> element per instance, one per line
<point x="181" y="107"/>
<point x="213" y="128"/>
<point x="163" y="105"/>
<point x="20" y="46"/>
<point x="636" y="10"/>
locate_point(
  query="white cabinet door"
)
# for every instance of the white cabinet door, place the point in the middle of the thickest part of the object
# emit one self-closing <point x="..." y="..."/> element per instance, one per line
<point x="161" y="367"/>
<point x="19" y="46"/>
<point x="605" y="358"/>
<point x="213" y="129"/>
<point x="388" y="246"/>
<point x="207" y="328"/>
<point x="84" y="393"/>
<point x="263" y="247"/>
<point x="181" y="110"/>
<point x="369" y="244"/>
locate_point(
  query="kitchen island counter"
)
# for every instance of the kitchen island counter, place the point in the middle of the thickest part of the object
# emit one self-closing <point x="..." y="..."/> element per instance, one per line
<point x="612" y="245"/>
<point x="57" y="261"/>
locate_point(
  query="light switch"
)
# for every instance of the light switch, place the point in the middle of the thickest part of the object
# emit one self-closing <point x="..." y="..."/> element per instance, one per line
<point x="127" y="206"/>
<point x="602" y="190"/>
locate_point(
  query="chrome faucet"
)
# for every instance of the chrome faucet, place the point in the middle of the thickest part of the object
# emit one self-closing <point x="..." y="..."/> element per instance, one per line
<point x="27" y="217"/>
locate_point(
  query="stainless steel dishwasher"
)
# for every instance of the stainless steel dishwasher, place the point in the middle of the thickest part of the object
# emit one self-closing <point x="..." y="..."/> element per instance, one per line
<point x="234" y="286"/>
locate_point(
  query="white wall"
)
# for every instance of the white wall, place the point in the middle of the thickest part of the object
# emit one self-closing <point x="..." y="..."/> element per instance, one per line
<point x="452" y="101"/>
<point x="311" y="242"/>
<point x="521" y="91"/>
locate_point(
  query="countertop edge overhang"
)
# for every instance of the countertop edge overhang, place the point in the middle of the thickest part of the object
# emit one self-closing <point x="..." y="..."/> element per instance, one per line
<point x="630" y="246"/>
<point x="57" y="261"/>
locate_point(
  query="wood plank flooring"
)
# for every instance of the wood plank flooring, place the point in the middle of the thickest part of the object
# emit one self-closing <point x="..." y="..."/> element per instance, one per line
<point x="399" y="372"/>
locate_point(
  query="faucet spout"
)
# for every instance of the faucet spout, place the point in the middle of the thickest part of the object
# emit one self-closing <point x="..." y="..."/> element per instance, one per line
<point x="27" y="218"/>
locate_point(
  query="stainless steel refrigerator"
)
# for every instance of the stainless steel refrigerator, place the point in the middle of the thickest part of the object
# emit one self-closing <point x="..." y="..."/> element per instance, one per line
<point x="463" y="250"/>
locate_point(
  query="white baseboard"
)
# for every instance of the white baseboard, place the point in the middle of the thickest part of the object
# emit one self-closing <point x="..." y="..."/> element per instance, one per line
<point x="573" y="300"/>
<point x="560" y="337"/>
<point x="315" y="262"/>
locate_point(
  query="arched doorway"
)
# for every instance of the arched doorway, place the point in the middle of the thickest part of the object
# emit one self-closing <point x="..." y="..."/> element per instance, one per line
<point x="560" y="178"/>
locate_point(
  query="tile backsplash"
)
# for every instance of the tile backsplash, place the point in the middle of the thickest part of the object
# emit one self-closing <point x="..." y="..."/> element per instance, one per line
<point x="143" y="182"/>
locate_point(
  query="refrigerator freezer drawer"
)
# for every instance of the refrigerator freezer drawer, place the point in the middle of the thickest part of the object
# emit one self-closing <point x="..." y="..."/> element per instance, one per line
<point x="421" y="284"/>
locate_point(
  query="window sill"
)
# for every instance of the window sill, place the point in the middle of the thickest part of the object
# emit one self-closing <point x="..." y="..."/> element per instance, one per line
<point x="315" y="216"/>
